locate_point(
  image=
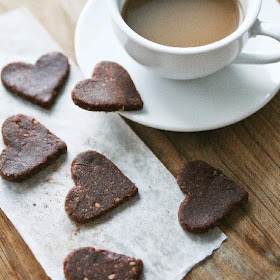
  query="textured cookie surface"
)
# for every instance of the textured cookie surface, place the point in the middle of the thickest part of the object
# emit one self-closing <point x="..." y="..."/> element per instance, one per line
<point x="110" y="89"/>
<point x="37" y="83"/>
<point x="211" y="196"/>
<point x="30" y="147"/>
<point x="100" y="187"/>
<point x="90" y="264"/>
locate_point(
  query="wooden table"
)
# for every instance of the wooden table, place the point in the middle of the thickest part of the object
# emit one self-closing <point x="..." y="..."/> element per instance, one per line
<point x="248" y="152"/>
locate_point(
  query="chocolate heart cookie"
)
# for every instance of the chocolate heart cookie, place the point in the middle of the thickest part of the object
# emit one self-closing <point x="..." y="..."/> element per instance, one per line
<point x="211" y="196"/>
<point x="100" y="187"/>
<point x="37" y="83"/>
<point x="90" y="264"/>
<point x="30" y="147"/>
<point x="110" y="89"/>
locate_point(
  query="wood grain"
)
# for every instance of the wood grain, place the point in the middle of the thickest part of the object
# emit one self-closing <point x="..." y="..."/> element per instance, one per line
<point x="248" y="152"/>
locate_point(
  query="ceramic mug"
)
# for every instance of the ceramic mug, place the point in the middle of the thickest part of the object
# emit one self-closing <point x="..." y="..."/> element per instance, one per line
<point x="196" y="62"/>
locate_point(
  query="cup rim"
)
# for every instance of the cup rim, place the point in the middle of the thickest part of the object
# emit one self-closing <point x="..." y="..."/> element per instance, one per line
<point x="247" y="23"/>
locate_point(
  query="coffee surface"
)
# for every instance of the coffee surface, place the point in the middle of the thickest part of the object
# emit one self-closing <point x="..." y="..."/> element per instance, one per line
<point x="182" y="23"/>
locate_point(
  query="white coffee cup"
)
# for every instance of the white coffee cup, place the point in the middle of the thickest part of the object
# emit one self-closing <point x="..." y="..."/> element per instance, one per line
<point x="196" y="62"/>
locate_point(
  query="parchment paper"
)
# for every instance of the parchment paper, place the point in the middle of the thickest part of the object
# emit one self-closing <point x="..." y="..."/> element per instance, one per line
<point x="145" y="227"/>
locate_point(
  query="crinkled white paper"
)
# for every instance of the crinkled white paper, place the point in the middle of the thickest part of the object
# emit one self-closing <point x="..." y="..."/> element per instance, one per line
<point x="146" y="227"/>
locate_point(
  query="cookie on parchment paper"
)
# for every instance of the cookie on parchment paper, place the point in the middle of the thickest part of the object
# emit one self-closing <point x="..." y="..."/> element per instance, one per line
<point x="30" y="147"/>
<point x="39" y="83"/>
<point x="91" y="264"/>
<point x="100" y="187"/>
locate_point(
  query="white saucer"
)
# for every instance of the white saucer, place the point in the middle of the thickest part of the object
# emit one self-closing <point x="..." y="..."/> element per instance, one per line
<point x="219" y="100"/>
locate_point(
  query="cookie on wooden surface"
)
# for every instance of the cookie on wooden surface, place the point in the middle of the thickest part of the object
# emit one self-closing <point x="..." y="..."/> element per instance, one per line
<point x="211" y="196"/>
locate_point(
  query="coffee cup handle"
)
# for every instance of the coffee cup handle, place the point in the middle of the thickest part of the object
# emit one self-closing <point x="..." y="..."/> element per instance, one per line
<point x="265" y="29"/>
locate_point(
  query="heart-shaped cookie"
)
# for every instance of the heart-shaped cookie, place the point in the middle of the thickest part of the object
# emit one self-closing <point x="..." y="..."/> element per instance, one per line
<point x="100" y="187"/>
<point x="37" y="83"/>
<point x="110" y="89"/>
<point x="30" y="147"/>
<point x="211" y="196"/>
<point x="90" y="264"/>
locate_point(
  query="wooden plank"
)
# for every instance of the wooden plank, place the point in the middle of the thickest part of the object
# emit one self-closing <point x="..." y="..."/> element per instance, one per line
<point x="16" y="260"/>
<point x="248" y="152"/>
